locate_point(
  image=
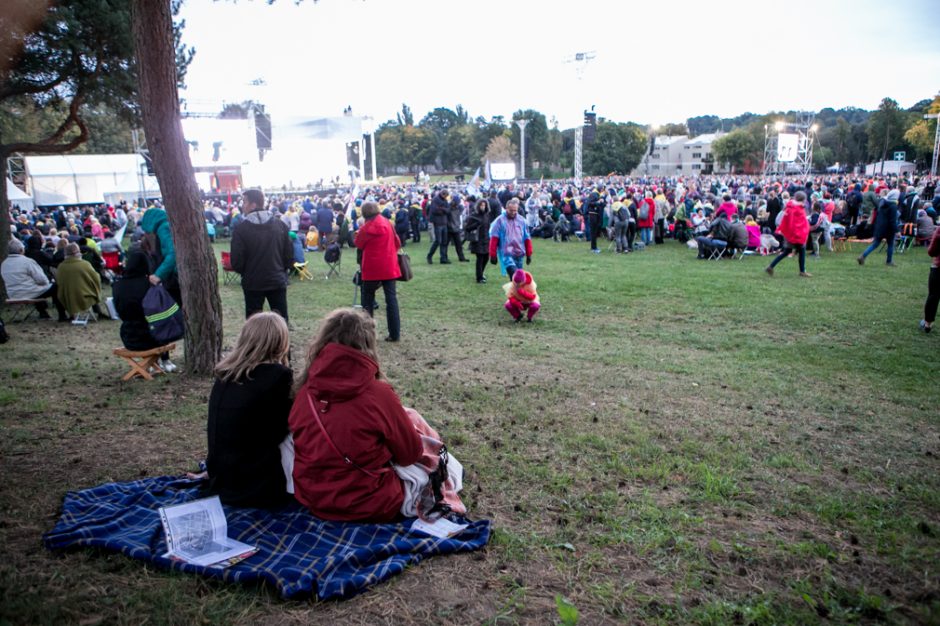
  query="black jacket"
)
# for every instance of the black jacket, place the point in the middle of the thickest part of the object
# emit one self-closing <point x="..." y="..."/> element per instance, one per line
<point x="247" y="421"/>
<point x="128" y="293"/>
<point x="739" y="236"/>
<point x="439" y="211"/>
<point x="262" y="252"/>
<point x="720" y="229"/>
<point x="477" y="232"/>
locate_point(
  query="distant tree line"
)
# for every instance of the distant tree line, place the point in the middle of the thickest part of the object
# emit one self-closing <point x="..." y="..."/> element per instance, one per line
<point x="453" y="140"/>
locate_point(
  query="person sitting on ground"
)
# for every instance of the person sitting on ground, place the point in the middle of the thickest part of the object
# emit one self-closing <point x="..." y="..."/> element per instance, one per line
<point x="25" y="280"/>
<point x="753" y="233"/>
<point x="925" y="225"/>
<point x="348" y="425"/>
<point x="248" y="409"/>
<point x="128" y="293"/>
<point x="79" y="283"/>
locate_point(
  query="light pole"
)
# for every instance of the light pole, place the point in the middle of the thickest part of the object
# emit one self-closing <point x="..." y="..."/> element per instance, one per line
<point x="522" y="124"/>
<point x="936" y="143"/>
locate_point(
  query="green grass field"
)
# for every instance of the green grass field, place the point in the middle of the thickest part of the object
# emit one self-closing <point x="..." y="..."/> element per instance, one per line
<point x="672" y="441"/>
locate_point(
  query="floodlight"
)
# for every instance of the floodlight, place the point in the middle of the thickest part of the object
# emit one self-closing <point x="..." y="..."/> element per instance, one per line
<point x="814" y="127"/>
<point x="779" y="125"/>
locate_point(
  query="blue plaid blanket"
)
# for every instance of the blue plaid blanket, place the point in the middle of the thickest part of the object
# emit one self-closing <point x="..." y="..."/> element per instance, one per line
<point x="297" y="552"/>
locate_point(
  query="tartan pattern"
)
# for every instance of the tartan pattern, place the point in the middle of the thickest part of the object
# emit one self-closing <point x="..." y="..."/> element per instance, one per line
<point x="298" y="553"/>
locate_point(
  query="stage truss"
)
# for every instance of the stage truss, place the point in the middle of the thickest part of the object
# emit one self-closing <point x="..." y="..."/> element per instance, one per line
<point x="804" y="128"/>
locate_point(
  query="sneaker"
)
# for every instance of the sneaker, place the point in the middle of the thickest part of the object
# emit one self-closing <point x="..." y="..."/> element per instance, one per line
<point x="168" y="366"/>
<point x="924" y="327"/>
<point x="465" y="260"/>
<point x="769" y="270"/>
<point x="861" y="260"/>
<point x="390" y="339"/>
<point x="805" y="275"/>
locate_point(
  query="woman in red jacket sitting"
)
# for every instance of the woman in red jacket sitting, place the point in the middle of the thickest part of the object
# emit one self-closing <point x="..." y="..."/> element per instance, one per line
<point x="379" y="244"/>
<point x="349" y="426"/>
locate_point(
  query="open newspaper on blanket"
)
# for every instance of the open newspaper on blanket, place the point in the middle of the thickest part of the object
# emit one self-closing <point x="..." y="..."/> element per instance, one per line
<point x="197" y="533"/>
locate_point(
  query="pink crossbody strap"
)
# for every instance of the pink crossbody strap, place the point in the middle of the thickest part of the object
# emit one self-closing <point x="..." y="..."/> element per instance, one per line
<point x="329" y="440"/>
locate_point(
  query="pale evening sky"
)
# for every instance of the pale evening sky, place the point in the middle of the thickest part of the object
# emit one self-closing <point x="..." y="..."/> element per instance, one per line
<point x="655" y="62"/>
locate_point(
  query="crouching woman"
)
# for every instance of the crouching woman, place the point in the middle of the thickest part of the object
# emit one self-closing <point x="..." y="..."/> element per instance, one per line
<point x="355" y="446"/>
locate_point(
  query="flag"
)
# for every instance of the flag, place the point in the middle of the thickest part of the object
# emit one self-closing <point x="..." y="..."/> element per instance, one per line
<point x="472" y="185"/>
<point x="489" y="181"/>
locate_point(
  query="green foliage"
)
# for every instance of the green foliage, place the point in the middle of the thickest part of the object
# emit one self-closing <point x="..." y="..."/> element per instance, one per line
<point x="739" y="148"/>
<point x="673" y="130"/>
<point x="885" y="129"/>
<point x="567" y="612"/>
<point x="616" y="148"/>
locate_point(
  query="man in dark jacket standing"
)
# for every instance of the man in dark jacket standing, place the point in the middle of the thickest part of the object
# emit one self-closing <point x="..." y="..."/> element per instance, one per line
<point x="453" y="227"/>
<point x="262" y="253"/>
<point x="439" y="213"/>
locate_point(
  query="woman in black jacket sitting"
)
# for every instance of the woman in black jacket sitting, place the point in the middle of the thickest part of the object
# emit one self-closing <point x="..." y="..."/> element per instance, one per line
<point x="128" y="293"/>
<point x="248" y="410"/>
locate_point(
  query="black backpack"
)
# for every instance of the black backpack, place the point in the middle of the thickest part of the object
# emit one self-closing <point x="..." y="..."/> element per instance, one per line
<point x="4" y="337"/>
<point x="332" y="253"/>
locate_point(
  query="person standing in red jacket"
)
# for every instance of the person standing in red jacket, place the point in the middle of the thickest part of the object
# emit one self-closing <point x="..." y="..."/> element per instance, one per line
<point x="795" y="229"/>
<point x="379" y="244"/>
<point x="349" y="426"/>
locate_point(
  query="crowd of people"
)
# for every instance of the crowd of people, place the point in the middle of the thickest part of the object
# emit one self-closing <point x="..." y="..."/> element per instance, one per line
<point x="338" y="439"/>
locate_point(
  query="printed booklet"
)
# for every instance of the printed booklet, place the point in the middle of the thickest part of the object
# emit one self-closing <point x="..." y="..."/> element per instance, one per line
<point x="197" y="533"/>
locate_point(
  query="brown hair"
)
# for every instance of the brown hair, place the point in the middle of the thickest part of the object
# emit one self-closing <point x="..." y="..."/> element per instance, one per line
<point x="347" y="327"/>
<point x="369" y="210"/>
<point x="264" y="339"/>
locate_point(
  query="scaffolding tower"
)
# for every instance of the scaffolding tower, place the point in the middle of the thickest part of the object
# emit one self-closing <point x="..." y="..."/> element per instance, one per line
<point x="777" y="136"/>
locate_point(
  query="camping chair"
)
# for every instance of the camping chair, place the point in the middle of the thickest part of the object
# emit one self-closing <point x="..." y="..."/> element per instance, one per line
<point x="718" y="248"/>
<point x="112" y="261"/>
<point x="21" y="310"/>
<point x="300" y="269"/>
<point x="82" y="319"/>
<point x="334" y="265"/>
<point x="229" y="276"/>
<point x="908" y="234"/>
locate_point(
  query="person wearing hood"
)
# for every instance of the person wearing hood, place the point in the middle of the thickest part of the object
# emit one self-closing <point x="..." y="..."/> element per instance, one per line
<point x="886" y="227"/>
<point x="349" y="426"/>
<point x="128" y="293"/>
<point x="162" y="252"/>
<point x="794" y="226"/>
<point x="263" y="254"/>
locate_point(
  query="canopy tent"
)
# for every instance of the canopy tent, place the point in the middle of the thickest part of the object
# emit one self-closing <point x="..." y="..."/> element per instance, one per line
<point x="895" y="168"/>
<point x="77" y="178"/>
<point x="18" y="197"/>
<point x="129" y="189"/>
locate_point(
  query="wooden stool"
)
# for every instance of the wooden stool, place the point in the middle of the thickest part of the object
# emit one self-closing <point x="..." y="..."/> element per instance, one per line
<point x="25" y="307"/>
<point x="141" y="362"/>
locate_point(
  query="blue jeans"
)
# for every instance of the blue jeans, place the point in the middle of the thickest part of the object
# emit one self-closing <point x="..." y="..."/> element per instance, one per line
<point x="874" y="246"/>
<point x="513" y="263"/>
<point x="646" y="235"/>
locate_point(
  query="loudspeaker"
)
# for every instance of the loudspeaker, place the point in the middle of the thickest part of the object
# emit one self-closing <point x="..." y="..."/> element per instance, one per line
<point x="263" y="130"/>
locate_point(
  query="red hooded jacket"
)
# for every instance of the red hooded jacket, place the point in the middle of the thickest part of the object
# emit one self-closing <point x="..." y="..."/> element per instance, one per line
<point x="379" y="244"/>
<point x="794" y="226"/>
<point x="367" y="423"/>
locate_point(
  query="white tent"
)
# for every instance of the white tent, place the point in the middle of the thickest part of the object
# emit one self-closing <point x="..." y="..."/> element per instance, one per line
<point x="895" y="168"/>
<point x="17" y="197"/>
<point x="77" y="178"/>
<point x="129" y="189"/>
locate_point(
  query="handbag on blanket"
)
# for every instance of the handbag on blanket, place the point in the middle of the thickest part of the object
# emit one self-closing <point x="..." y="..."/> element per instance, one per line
<point x="404" y="264"/>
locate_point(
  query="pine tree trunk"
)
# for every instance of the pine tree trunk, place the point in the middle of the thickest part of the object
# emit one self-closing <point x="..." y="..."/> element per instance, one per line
<point x="4" y="217"/>
<point x="195" y="261"/>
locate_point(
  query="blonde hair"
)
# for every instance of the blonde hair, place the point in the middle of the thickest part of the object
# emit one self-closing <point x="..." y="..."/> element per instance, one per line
<point x="347" y="327"/>
<point x="264" y="339"/>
